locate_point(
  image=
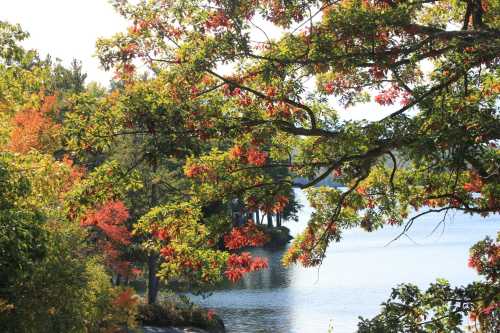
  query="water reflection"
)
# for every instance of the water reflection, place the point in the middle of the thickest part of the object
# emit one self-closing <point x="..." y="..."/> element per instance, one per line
<point x="265" y="320"/>
<point x="277" y="276"/>
<point x="260" y="302"/>
<point x="355" y="278"/>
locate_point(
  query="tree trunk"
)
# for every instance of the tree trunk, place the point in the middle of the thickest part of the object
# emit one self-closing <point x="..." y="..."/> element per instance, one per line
<point x="257" y="217"/>
<point x="269" y="220"/>
<point x="278" y="219"/>
<point x="153" y="283"/>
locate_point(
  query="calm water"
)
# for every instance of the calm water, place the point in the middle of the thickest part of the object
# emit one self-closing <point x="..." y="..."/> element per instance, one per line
<point x="355" y="278"/>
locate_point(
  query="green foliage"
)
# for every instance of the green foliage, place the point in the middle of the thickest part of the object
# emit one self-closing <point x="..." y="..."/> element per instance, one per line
<point x="49" y="281"/>
<point x="22" y="74"/>
<point x="107" y="307"/>
<point x="10" y="36"/>
<point x="22" y="238"/>
<point x="68" y="80"/>
<point x="66" y="291"/>
<point x="107" y="182"/>
<point x="186" y="244"/>
<point x="52" y="297"/>
<point x="48" y="181"/>
<point x="99" y="295"/>
<point x="45" y="275"/>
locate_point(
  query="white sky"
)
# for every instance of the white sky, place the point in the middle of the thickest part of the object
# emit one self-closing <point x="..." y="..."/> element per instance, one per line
<point x="66" y="29"/>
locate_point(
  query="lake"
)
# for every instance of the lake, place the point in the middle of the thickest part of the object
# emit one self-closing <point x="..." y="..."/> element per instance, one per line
<point x="355" y="278"/>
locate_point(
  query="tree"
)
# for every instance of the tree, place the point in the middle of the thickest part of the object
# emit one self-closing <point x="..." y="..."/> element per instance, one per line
<point x="22" y="240"/>
<point x="274" y="99"/>
<point x="50" y="281"/>
<point x="71" y="79"/>
<point x="137" y="127"/>
<point x="35" y="128"/>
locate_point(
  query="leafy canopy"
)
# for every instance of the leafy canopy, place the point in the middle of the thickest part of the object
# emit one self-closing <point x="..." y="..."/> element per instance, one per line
<point x="266" y="102"/>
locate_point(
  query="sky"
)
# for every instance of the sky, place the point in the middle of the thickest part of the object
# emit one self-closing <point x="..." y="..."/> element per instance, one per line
<point x="66" y="29"/>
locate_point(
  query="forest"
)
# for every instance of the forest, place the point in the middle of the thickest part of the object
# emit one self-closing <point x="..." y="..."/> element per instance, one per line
<point x="116" y="201"/>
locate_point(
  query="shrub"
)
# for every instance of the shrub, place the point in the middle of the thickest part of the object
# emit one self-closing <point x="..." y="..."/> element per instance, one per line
<point x="179" y="311"/>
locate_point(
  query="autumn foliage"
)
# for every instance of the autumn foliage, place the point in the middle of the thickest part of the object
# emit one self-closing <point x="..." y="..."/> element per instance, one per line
<point x="109" y="219"/>
<point x="247" y="235"/>
<point x="34" y="128"/>
<point x="240" y="264"/>
<point x="253" y="155"/>
<point x="485" y="258"/>
<point x="126" y="299"/>
<point x="112" y="234"/>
